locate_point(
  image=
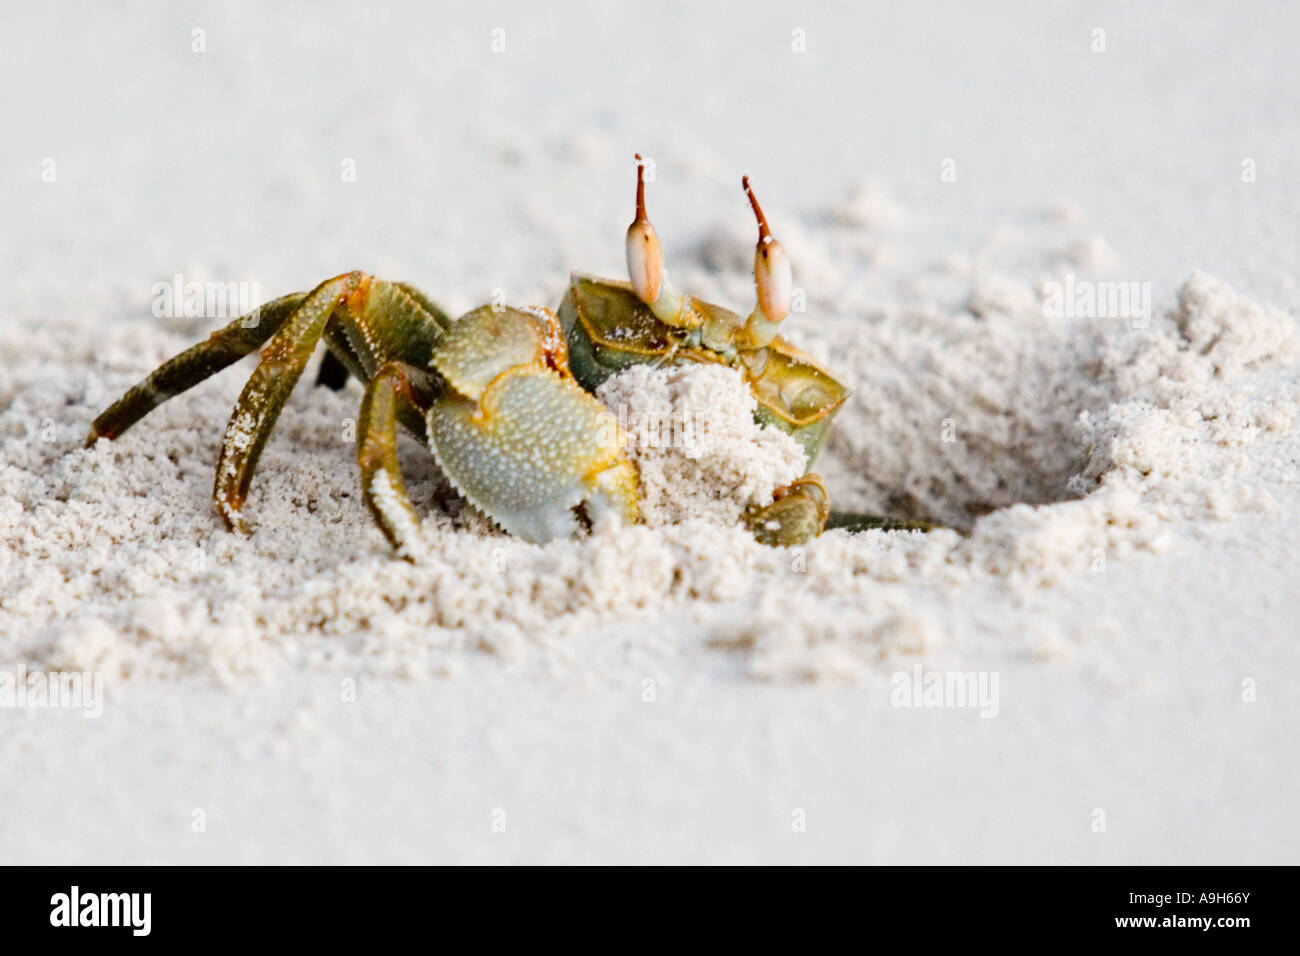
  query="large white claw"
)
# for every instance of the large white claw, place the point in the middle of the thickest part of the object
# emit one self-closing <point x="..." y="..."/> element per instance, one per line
<point x="533" y="447"/>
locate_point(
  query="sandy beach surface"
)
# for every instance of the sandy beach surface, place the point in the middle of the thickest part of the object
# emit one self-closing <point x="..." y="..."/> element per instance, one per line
<point x="1051" y="250"/>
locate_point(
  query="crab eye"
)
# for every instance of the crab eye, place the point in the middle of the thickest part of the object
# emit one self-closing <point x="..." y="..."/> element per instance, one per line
<point x="645" y="259"/>
<point x="772" y="274"/>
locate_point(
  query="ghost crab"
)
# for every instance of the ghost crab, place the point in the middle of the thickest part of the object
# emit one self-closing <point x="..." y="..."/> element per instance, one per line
<point x="502" y="395"/>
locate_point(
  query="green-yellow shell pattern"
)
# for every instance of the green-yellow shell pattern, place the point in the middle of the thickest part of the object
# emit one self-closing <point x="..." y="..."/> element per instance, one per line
<point x="607" y="329"/>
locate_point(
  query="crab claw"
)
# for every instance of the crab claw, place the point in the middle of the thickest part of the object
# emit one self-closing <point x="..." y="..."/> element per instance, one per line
<point x="518" y="437"/>
<point x="798" y="513"/>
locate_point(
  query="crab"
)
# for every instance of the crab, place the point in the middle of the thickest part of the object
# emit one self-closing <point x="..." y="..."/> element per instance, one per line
<point x="502" y="396"/>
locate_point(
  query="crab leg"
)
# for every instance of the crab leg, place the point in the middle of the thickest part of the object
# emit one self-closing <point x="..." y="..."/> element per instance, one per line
<point x="396" y="388"/>
<point x="854" y="522"/>
<point x="383" y="336"/>
<point x="223" y="348"/>
<point x="266" y="391"/>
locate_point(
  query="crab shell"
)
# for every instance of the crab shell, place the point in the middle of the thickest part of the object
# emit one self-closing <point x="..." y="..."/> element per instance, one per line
<point x="608" y="329"/>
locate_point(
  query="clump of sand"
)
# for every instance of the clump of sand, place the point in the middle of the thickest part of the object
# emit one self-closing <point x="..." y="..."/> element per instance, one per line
<point x="692" y="435"/>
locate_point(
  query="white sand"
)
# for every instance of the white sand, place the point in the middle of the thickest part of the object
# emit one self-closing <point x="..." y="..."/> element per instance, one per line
<point x="1126" y="490"/>
<point x="698" y="452"/>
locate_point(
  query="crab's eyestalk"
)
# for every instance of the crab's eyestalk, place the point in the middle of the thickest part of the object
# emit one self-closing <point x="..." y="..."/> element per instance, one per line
<point x="645" y="265"/>
<point x="772" y="279"/>
<point x="645" y="257"/>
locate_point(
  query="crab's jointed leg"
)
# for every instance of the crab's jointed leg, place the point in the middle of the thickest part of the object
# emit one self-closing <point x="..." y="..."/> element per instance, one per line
<point x="181" y="373"/>
<point x="368" y="323"/>
<point x="396" y="390"/>
<point x="854" y="522"/>
<point x="266" y="391"/>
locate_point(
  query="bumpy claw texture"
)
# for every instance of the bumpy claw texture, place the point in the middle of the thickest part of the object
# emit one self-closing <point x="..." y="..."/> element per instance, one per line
<point x="519" y="439"/>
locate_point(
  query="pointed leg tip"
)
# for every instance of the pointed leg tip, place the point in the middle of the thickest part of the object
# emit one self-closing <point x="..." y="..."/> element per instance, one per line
<point x="100" y="429"/>
<point x="233" y="518"/>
